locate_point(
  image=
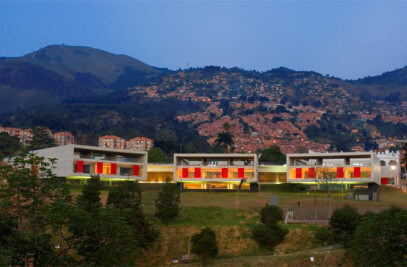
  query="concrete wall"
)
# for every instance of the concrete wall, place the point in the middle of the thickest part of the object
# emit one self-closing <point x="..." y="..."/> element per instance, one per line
<point x="64" y="157"/>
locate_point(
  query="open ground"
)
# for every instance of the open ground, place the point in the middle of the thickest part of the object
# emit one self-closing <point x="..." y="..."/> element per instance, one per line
<point x="232" y="215"/>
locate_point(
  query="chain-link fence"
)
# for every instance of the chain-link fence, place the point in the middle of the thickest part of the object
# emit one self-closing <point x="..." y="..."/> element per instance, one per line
<point x="319" y="214"/>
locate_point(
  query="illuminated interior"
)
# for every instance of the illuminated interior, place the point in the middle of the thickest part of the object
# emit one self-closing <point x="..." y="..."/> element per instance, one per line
<point x="272" y="177"/>
<point x="215" y="173"/>
<point x="332" y="172"/>
<point x="216" y="186"/>
<point x="159" y="176"/>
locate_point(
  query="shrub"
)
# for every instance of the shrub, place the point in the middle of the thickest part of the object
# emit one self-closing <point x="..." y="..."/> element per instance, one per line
<point x="167" y="203"/>
<point x="323" y="234"/>
<point x="343" y="224"/>
<point x="380" y="239"/>
<point x="268" y="235"/>
<point x="270" y="215"/>
<point x="204" y="244"/>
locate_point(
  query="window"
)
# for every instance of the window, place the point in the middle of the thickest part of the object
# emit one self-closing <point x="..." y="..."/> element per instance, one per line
<point x="382" y="163"/>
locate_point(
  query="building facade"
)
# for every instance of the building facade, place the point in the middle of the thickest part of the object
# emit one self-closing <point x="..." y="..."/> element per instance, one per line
<point x="77" y="162"/>
<point x="112" y="141"/>
<point x="225" y="171"/>
<point x="344" y="167"/>
<point x="25" y="135"/>
<point x="215" y="171"/>
<point x="140" y="144"/>
<point x="63" y="138"/>
<point x="390" y="167"/>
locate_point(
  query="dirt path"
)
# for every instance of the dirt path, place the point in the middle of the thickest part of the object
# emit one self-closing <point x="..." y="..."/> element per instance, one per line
<point x="272" y="260"/>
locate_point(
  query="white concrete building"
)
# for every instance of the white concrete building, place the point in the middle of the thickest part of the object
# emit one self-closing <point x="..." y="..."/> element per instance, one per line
<point x="390" y="167"/>
<point x="79" y="162"/>
<point x="217" y="171"/>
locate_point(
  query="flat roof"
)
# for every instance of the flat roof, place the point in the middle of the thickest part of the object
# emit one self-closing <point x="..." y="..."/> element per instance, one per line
<point x="104" y="149"/>
<point x="217" y="155"/>
<point x="336" y="155"/>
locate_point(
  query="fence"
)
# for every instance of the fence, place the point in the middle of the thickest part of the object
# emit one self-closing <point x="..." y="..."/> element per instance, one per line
<point x="319" y="214"/>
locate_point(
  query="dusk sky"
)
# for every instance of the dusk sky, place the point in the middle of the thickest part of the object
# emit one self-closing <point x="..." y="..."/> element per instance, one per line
<point x="347" y="39"/>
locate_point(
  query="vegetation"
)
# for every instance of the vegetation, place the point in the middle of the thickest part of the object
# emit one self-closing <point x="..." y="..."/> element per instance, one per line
<point x="271" y="214"/>
<point x="41" y="224"/>
<point x="380" y="239"/>
<point x="272" y="154"/>
<point x="9" y="145"/>
<point x="41" y="138"/>
<point x="204" y="244"/>
<point x="343" y="223"/>
<point x="225" y="140"/>
<point x="156" y="155"/>
<point x="26" y="207"/>
<point x="168" y="202"/>
<point x="270" y="233"/>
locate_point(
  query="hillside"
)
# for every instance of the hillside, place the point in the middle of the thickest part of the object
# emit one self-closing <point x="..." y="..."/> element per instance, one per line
<point x="55" y="73"/>
<point x="69" y="60"/>
<point x="71" y="88"/>
<point x="391" y="85"/>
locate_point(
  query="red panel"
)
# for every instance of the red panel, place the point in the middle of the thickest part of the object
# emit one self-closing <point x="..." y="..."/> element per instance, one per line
<point x="240" y="173"/>
<point x="311" y="172"/>
<point x="298" y="173"/>
<point x="136" y="170"/>
<point x="197" y="172"/>
<point x="385" y="180"/>
<point x="339" y="172"/>
<point x="99" y="167"/>
<point x="224" y="172"/>
<point x="79" y="166"/>
<point x="356" y="173"/>
<point x="114" y="168"/>
<point x="184" y="172"/>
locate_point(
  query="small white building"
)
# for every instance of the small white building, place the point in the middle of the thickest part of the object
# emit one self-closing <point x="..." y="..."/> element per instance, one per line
<point x="390" y="167"/>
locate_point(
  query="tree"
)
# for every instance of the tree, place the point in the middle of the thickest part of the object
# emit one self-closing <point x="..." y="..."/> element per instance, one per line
<point x="326" y="178"/>
<point x="380" y="239"/>
<point x="104" y="238"/>
<point x="270" y="233"/>
<point x="127" y="197"/>
<point x="9" y="145"/>
<point x="270" y="214"/>
<point x="215" y="149"/>
<point x="204" y="244"/>
<point x="156" y="155"/>
<point x="269" y="236"/>
<point x="168" y="202"/>
<point x="272" y="154"/>
<point x="225" y="140"/>
<point x="28" y="188"/>
<point x="111" y="235"/>
<point x="90" y="197"/>
<point x="41" y="138"/>
<point x="343" y="223"/>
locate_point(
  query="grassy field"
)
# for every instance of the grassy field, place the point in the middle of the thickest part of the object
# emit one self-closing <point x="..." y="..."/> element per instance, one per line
<point x="232" y="216"/>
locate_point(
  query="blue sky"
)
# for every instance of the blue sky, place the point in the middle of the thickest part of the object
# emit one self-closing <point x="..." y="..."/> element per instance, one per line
<point x="347" y="39"/>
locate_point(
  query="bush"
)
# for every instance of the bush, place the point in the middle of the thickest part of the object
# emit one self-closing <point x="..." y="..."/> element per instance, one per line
<point x="324" y="235"/>
<point x="380" y="239"/>
<point x="268" y="235"/>
<point x="204" y="244"/>
<point x="343" y="224"/>
<point x="168" y="202"/>
<point x="270" y="215"/>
